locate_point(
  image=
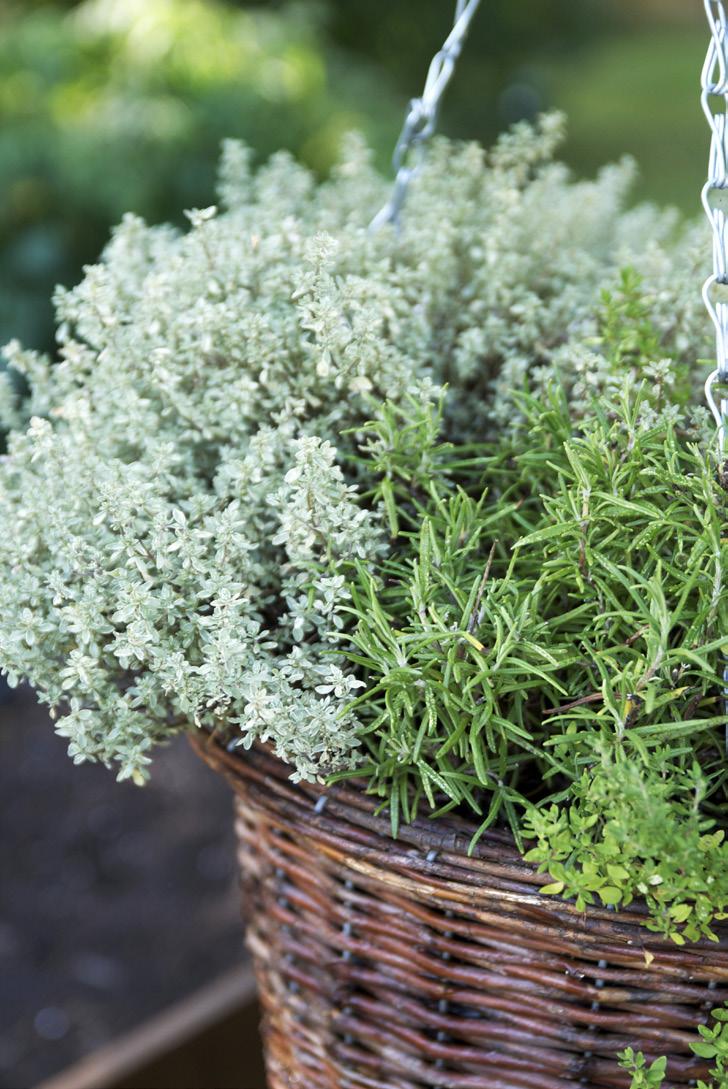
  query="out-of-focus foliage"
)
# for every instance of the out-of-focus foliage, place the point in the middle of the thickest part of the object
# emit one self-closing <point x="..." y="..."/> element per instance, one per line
<point x="122" y="104"/>
<point x="491" y="89"/>
<point x="625" y="72"/>
<point x="636" y="92"/>
<point x="111" y="105"/>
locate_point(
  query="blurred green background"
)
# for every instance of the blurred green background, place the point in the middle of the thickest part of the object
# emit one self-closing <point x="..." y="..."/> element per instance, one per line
<point x="110" y="105"/>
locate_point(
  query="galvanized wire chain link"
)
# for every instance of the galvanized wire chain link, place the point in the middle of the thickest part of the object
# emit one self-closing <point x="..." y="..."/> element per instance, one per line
<point x="714" y="100"/>
<point x="421" y="118"/>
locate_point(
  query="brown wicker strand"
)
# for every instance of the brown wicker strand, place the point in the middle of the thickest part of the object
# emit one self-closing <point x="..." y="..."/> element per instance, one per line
<point x="406" y="964"/>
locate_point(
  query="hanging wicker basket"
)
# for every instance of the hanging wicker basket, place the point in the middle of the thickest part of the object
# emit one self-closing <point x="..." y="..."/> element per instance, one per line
<point x="407" y="964"/>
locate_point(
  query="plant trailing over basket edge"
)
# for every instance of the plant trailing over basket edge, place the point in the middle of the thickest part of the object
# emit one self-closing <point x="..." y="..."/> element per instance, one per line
<point x="425" y="507"/>
<point x="712" y="1045"/>
<point x="553" y="641"/>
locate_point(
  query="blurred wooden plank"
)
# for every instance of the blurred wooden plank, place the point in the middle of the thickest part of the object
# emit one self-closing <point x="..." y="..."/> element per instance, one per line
<point x="226" y="1056"/>
<point x="187" y="1036"/>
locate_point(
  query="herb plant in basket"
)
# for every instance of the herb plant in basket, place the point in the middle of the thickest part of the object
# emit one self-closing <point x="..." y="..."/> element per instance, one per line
<point x="418" y="533"/>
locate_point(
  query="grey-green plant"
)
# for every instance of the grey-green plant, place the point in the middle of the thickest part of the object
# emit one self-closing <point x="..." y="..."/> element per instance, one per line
<point x="425" y="506"/>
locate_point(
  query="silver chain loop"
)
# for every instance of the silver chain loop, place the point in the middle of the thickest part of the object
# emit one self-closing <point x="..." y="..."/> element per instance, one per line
<point x="421" y="118"/>
<point x="714" y="100"/>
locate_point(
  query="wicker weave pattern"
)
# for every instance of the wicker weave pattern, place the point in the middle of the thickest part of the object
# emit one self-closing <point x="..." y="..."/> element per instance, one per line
<point x="407" y="965"/>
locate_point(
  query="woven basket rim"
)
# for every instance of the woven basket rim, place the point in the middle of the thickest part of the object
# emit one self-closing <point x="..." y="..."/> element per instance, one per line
<point x="445" y="839"/>
<point x="385" y="963"/>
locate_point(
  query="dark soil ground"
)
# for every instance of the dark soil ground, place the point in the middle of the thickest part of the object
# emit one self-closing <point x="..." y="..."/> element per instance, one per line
<point x="114" y="900"/>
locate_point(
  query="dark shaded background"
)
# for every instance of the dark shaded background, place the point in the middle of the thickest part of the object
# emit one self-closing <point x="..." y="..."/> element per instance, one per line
<point x="115" y="901"/>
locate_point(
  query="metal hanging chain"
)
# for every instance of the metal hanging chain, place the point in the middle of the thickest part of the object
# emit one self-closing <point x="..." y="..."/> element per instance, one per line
<point x="421" y="118"/>
<point x="714" y="100"/>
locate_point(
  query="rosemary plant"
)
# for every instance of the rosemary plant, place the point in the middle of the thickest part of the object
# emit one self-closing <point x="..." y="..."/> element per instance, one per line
<point x="542" y="643"/>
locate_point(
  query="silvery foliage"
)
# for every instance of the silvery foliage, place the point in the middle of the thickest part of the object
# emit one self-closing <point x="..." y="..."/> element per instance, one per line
<point x="178" y="508"/>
